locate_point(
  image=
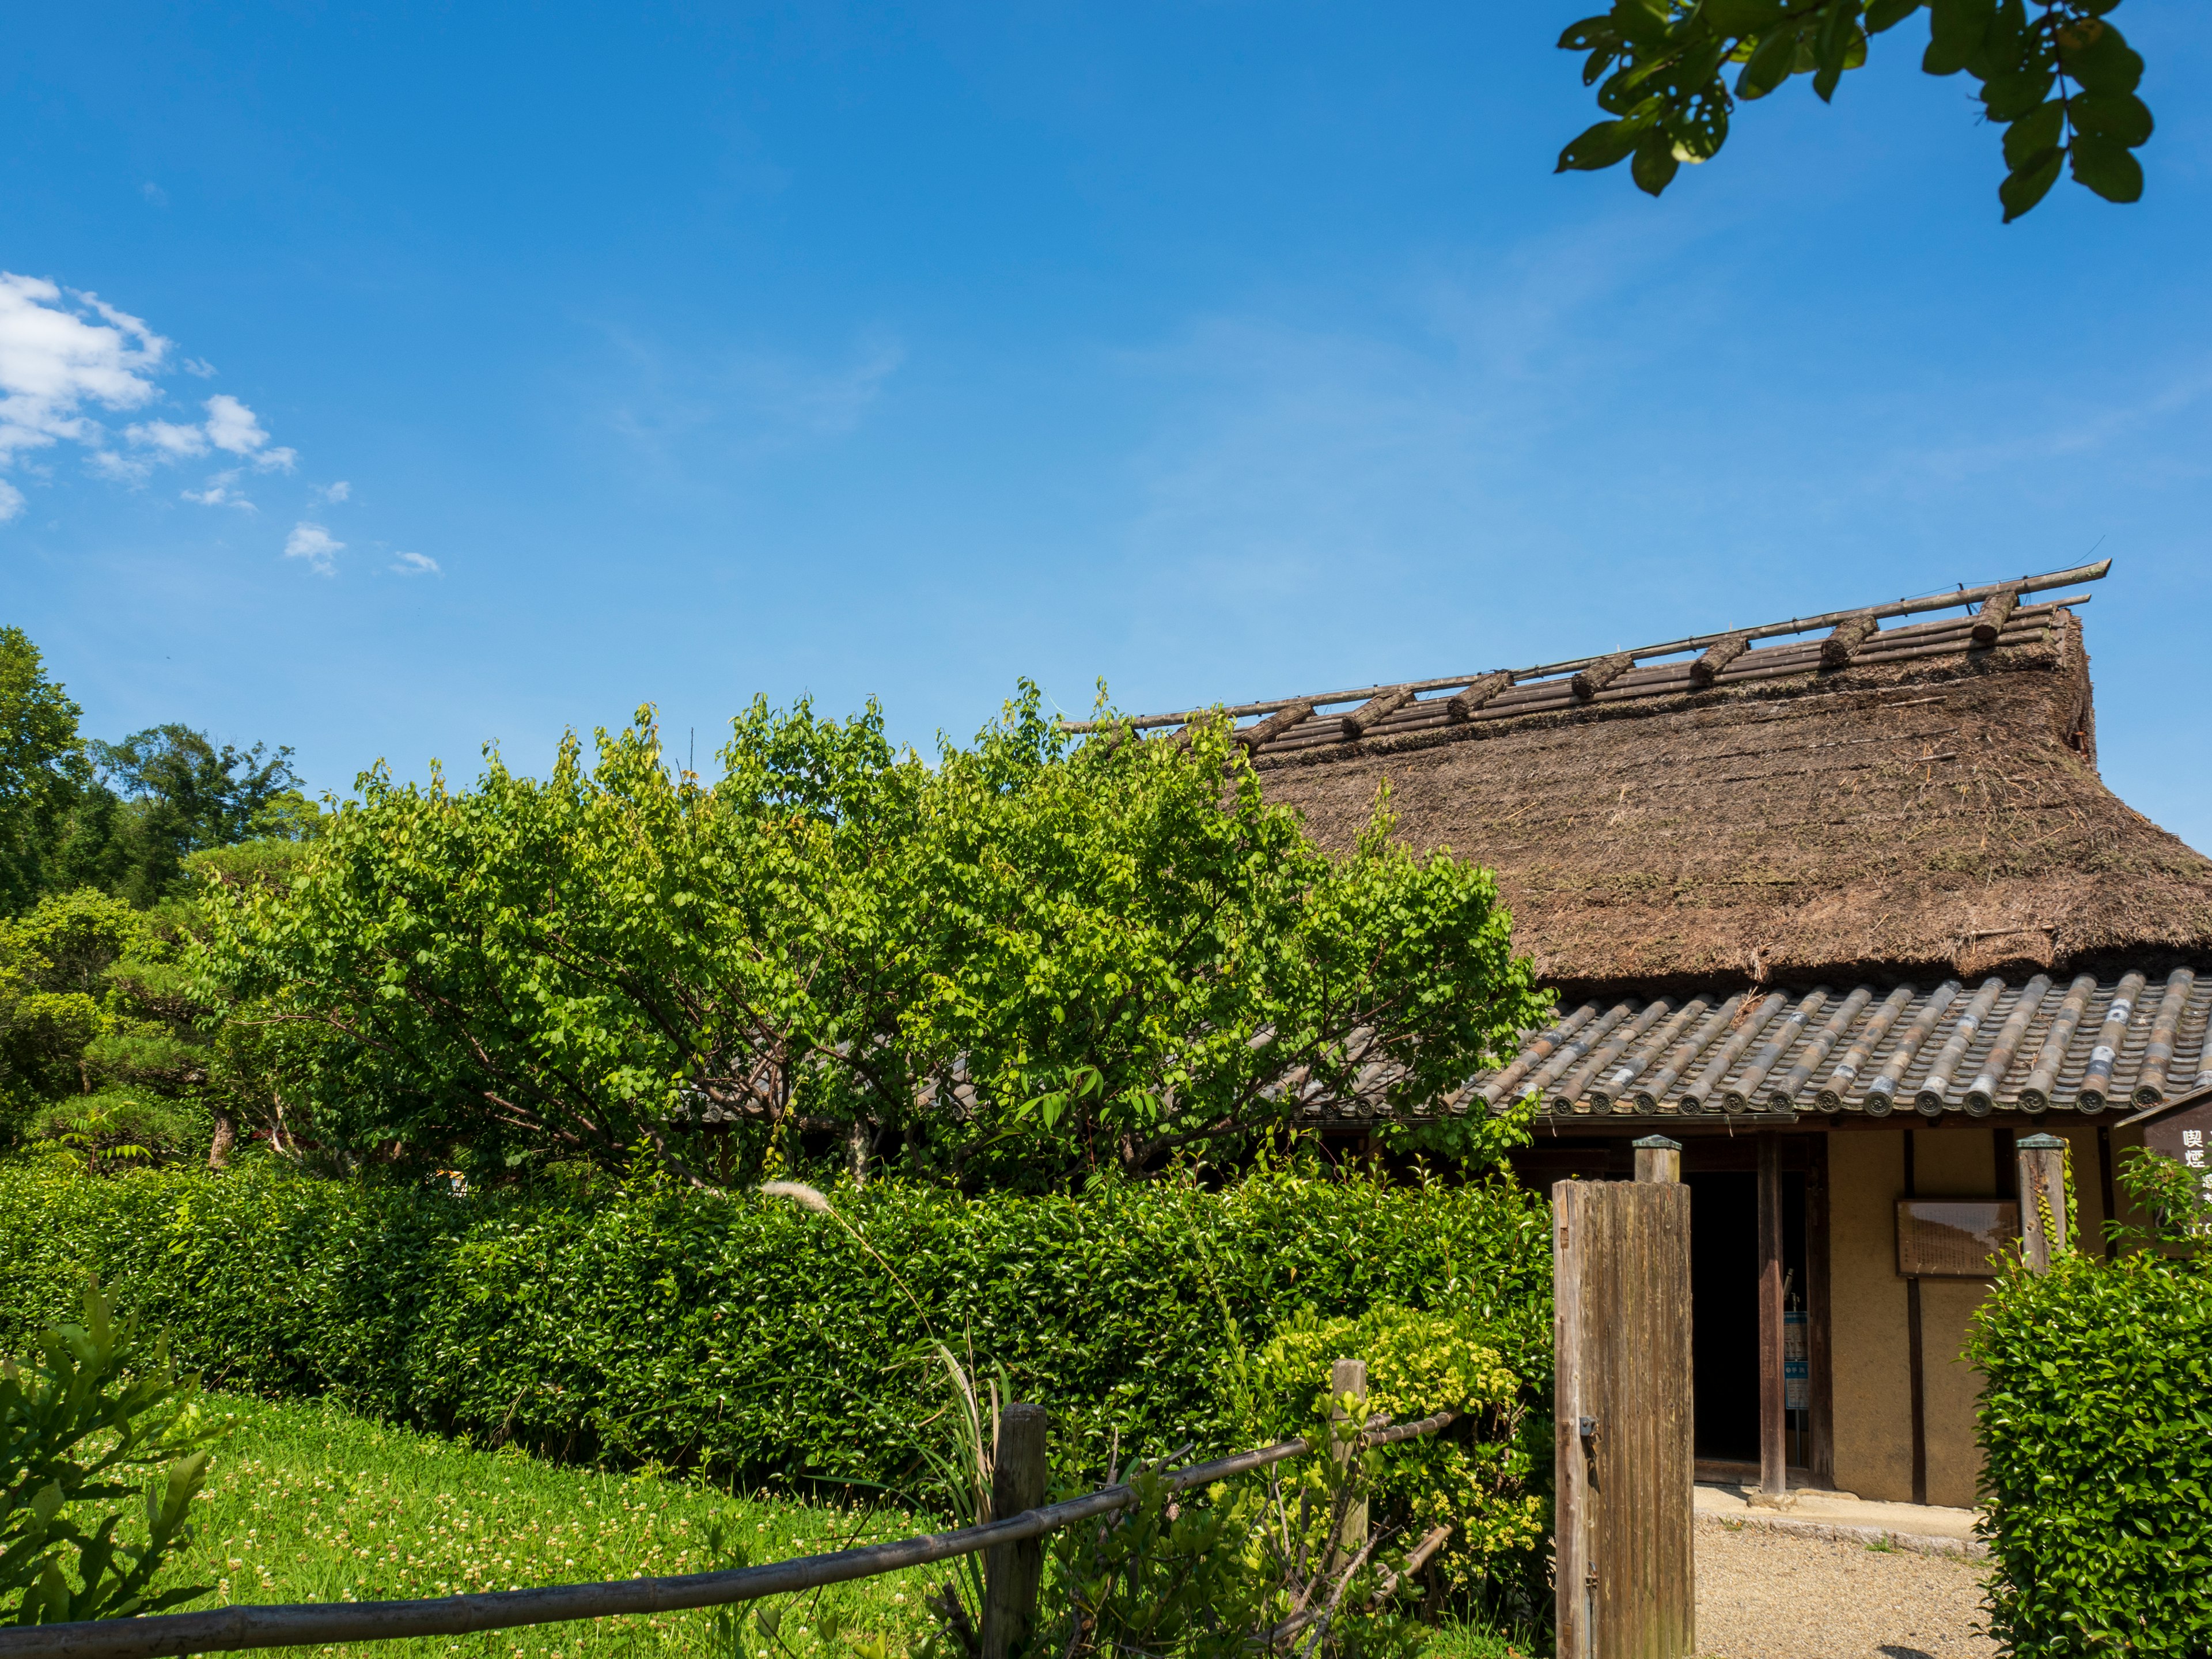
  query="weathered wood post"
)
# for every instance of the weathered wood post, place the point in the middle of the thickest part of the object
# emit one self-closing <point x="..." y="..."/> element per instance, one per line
<point x="2043" y="1232"/>
<point x="1623" y="1410"/>
<point x="1658" y="1158"/>
<point x="1348" y="1376"/>
<point x="1773" y="1442"/>
<point x="1012" y="1572"/>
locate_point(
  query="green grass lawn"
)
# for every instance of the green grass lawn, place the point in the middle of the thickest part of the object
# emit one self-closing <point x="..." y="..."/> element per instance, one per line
<point x="306" y="1503"/>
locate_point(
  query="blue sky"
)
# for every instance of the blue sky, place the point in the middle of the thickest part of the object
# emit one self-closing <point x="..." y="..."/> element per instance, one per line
<point x="585" y="358"/>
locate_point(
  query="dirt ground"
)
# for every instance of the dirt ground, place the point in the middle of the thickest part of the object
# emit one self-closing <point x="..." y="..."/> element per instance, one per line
<point x="1763" y="1594"/>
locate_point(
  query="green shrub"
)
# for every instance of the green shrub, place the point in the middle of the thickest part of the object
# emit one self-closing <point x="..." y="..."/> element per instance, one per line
<point x="2096" y="1426"/>
<point x="750" y="1337"/>
<point x="1478" y="1476"/>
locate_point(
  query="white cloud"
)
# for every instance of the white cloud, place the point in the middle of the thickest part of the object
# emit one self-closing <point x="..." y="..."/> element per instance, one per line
<point x="11" y="502"/>
<point x="59" y="353"/>
<point x="222" y="491"/>
<point x="416" y="564"/>
<point x="336" y="492"/>
<point x="315" y="544"/>
<point x="153" y="193"/>
<point x="66" y="355"/>
<point x="230" y="427"/>
<point x="182" y="441"/>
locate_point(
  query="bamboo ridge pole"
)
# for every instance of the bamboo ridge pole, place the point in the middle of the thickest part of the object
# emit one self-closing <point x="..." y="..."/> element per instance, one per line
<point x="1965" y="596"/>
<point x="171" y="1636"/>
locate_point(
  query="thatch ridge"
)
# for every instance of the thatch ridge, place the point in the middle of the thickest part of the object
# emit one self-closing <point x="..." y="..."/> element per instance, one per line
<point x="1935" y="809"/>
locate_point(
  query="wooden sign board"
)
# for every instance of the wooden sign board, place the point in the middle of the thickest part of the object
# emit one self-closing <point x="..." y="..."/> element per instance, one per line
<point x="2185" y="1136"/>
<point x="1954" y="1237"/>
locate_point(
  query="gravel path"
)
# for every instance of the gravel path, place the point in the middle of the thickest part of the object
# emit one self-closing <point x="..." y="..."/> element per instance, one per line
<point x="1763" y="1594"/>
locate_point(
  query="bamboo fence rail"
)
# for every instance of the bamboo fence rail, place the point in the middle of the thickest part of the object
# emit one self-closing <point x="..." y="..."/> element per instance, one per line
<point x="320" y="1623"/>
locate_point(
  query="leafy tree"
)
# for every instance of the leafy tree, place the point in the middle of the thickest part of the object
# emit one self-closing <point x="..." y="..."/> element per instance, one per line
<point x="2059" y="79"/>
<point x="42" y="769"/>
<point x="122" y="817"/>
<point x="1033" y="956"/>
<point x="180" y="794"/>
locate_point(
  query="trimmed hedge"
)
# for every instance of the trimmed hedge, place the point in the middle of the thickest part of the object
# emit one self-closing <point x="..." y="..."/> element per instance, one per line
<point x="747" y="1336"/>
<point x="2096" y="1426"/>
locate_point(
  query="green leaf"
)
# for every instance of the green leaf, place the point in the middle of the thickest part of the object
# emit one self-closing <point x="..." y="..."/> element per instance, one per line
<point x="2007" y="97"/>
<point x="2108" y="168"/>
<point x="1643" y="21"/>
<point x="2033" y="133"/>
<point x="2004" y="43"/>
<point x="1604" y="145"/>
<point x="1888" y="14"/>
<point x="1582" y="36"/>
<point x="2029" y="182"/>
<point x="1955" y="29"/>
<point x="1838" y="28"/>
<point x="1772" y="63"/>
<point x="1742" y="17"/>
<point x="2094" y="53"/>
<point x="1656" y="164"/>
<point x="2121" y="117"/>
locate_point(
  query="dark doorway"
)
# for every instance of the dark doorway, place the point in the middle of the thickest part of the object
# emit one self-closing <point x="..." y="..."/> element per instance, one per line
<point x="1724" y="1307"/>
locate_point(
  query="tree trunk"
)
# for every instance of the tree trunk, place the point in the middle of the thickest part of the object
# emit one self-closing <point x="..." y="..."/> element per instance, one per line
<point x="857" y="1140"/>
<point x="225" y="1137"/>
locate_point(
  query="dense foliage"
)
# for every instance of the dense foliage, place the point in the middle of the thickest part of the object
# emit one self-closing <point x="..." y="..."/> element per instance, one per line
<point x="2096" y="1430"/>
<point x="1035" y="956"/>
<point x="106" y="1045"/>
<point x="2059" y="79"/>
<point x="757" y="1338"/>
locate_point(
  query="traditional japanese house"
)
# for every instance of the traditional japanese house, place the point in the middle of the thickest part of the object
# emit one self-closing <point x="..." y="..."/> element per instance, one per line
<point x="1841" y="899"/>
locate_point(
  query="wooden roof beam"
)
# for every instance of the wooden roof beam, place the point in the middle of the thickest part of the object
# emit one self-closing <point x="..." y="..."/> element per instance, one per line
<point x="1850" y="634"/>
<point x="1707" y="668"/>
<point x="1462" y="704"/>
<point x="1996" y="610"/>
<point x="1371" y="712"/>
<point x="1267" y="731"/>
<point x="1588" y="681"/>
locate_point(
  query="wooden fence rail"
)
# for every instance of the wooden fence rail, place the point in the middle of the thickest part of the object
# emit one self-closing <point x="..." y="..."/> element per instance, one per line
<point x="321" y="1623"/>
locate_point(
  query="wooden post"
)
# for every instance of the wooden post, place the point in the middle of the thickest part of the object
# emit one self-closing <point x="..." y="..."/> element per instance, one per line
<point x="1774" y="1466"/>
<point x="1658" y="1158"/>
<point x="1574" y="1504"/>
<point x="1822" y="1451"/>
<point x="1622" y="1409"/>
<point x="1013" y="1572"/>
<point x="2042" y="1200"/>
<point x="1348" y="1376"/>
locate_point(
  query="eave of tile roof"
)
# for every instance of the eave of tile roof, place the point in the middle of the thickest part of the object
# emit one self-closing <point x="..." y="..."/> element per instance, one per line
<point x="2002" y="1046"/>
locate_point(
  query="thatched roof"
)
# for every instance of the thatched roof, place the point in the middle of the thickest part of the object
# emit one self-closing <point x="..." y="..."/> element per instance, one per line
<point x="1904" y="794"/>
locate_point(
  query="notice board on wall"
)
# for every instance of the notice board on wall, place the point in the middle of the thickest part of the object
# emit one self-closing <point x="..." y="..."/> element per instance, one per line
<point x="2185" y="1136"/>
<point x="1954" y="1237"/>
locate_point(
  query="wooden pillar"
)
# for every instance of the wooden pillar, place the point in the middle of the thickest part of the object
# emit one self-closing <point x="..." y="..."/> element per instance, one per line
<point x="1915" y="1369"/>
<point x="1818" y="1360"/>
<point x="1348" y="1376"/>
<point x="2042" y="1200"/>
<point x="1773" y="1464"/>
<point x="1012" y="1572"/>
<point x="1658" y="1158"/>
